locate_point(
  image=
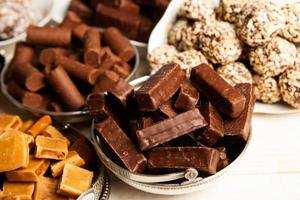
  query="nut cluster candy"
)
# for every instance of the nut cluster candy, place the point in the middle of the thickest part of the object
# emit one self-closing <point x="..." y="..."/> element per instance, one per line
<point x="173" y="122"/>
<point x="242" y="40"/>
<point x="40" y="162"/>
<point x="57" y="67"/>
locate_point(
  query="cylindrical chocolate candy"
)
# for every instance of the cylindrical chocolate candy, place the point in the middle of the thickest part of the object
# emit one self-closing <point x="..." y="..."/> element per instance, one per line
<point x="80" y="30"/>
<point x="81" y="9"/>
<point x="23" y="54"/>
<point x="92" y="46"/>
<point x="63" y="86"/>
<point x="48" y="36"/>
<point x="78" y="70"/>
<point x="55" y="106"/>
<point x="71" y="20"/>
<point x="28" y="76"/>
<point x="48" y="55"/>
<point x="118" y="43"/>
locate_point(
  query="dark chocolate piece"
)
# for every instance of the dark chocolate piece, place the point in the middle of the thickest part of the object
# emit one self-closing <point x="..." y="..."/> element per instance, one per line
<point x="121" y="92"/>
<point x="240" y="127"/>
<point x="118" y="141"/>
<point x="106" y="81"/>
<point x="166" y="110"/>
<point x="221" y="94"/>
<point x="160" y="87"/>
<point x="71" y="20"/>
<point x="139" y="124"/>
<point x="204" y="159"/>
<point x="92" y="47"/>
<point x="187" y="98"/>
<point x="169" y="129"/>
<point x="124" y="5"/>
<point x="223" y="162"/>
<point x="122" y="69"/>
<point x="97" y="105"/>
<point x="215" y="128"/>
<point x="81" y="9"/>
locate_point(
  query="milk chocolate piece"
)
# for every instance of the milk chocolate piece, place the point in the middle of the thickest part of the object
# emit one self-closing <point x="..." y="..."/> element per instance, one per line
<point x="204" y="159"/>
<point x="106" y="81"/>
<point x="122" y="69"/>
<point x="81" y="9"/>
<point x="187" y="98"/>
<point x="169" y="129"/>
<point x="55" y="106"/>
<point x="40" y="125"/>
<point x="240" y="127"/>
<point x="121" y="92"/>
<point x="46" y="188"/>
<point x="221" y="94"/>
<point x="78" y="70"/>
<point x="48" y="36"/>
<point x="50" y="148"/>
<point x="80" y="30"/>
<point x="118" y="141"/>
<point x="97" y="105"/>
<point x="72" y="158"/>
<point x="29" y="77"/>
<point x="124" y="5"/>
<point x="215" y="128"/>
<point x="92" y="47"/>
<point x="23" y="54"/>
<point x="74" y="181"/>
<point x="71" y="20"/>
<point x="48" y="55"/>
<point x="10" y="122"/>
<point x="108" y="59"/>
<point x="65" y="89"/>
<point x="160" y="87"/>
<point x="166" y="110"/>
<point x="17" y="191"/>
<point x="35" y="168"/>
<point x="139" y="124"/>
<point x="118" y="43"/>
<point x="223" y="162"/>
<point x="28" y="99"/>
<point x="52" y="132"/>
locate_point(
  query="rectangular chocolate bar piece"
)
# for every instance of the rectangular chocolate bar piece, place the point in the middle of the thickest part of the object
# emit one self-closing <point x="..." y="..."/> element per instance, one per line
<point x="204" y="159"/>
<point x="221" y="94"/>
<point x="121" y="92"/>
<point x="118" y="141"/>
<point x="160" y="87"/>
<point x="169" y="129"/>
<point x="240" y="127"/>
<point x="166" y="110"/>
<point x="187" y="98"/>
<point x="97" y="105"/>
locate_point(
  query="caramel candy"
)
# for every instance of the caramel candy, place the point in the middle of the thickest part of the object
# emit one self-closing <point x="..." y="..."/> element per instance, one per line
<point x="17" y="191"/>
<point x="46" y="188"/>
<point x="14" y="151"/>
<point x="72" y="158"/>
<point x="50" y="148"/>
<point x="52" y="132"/>
<point x="10" y="121"/>
<point x="35" y="168"/>
<point x="82" y="147"/>
<point x="92" y="46"/>
<point x="29" y="139"/>
<point x="40" y="125"/>
<point x="26" y="125"/>
<point x="74" y="181"/>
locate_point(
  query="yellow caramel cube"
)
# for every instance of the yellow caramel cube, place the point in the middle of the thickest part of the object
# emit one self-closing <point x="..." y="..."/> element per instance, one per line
<point x="72" y="158"/>
<point x="74" y="181"/>
<point x="10" y="121"/>
<point x="22" y="191"/>
<point x="14" y="151"/>
<point x="46" y="188"/>
<point x="51" y="131"/>
<point x="50" y="148"/>
<point x="26" y="125"/>
<point x="40" y="125"/>
<point x="35" y="168"/>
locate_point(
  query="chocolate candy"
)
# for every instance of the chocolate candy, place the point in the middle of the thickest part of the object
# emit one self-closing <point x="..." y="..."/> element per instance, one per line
<point x="122" y="69"/>
<point x="27" y="75"/>
<point x="121" y="92"/>
<point x="187" y="98"/>
<point x="23" y="54"/>
<point x="139" y="124"/>
<point x="166" y="110"/>
<point x="222" y="95"/>
<point x="124" y="5"/>
<point x="65" y="89"/>
<point x="240" y="127"/>
<point x="108" y="59"/>
<point x="48" y="36"/>
<point x="97" y="105"/>
<point x="55" y="106"/>
<point x="169" y="129"/>
<point x="215" y="129"/>
<point x="106" y="81"/>
<point x="81" y="9"/>
<point x="118" y="43"/>
<point x="78" y="70"/>
<point x="204" y="159"/>
<point x="48" y="55"/>
<point x="121" y="145"/>
<point x="223" y="162"/>
<point x="160" y="87"/>
<point x="71" y="20"/>
<point x="92" y="47"/>
<point x="80" y="30"/>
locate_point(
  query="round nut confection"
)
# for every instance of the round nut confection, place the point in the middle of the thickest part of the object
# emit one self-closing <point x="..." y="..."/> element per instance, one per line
<point x="229" y="9"/>
<point x="200" y="10"/>
<point x="266" y="89"/>
<point x="218" y="42"/>
<point x="291" y="30"/>
<point x="161" y="55"/>
<point x="182" y="36"/>
<point x="289" y="84"/>
<point x="189" y="59"/>
<point x="273" y="58"/>
<point x="235" y="73"/>
<point x="259" y="21"/>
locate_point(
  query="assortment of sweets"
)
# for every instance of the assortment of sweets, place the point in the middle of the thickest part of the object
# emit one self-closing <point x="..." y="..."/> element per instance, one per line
<point x="57" y="67"/>
<point x="40" y="162"/>
<point x="245" y="41"/>
<point x="173" y="123"/>
<point x="135" y="18"/>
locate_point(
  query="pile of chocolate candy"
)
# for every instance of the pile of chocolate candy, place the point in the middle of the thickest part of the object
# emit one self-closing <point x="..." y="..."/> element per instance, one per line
<point x="58" y="67"/>
<point x="172" y="123"/>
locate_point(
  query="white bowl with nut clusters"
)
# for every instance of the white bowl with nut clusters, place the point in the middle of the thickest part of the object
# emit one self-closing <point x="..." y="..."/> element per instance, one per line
<point x="253" y="41"/>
